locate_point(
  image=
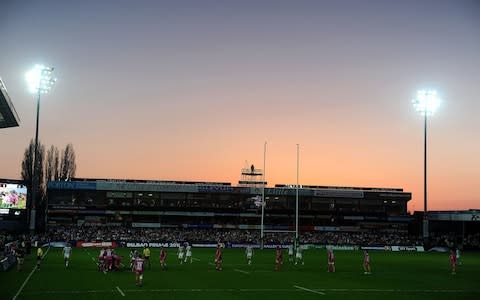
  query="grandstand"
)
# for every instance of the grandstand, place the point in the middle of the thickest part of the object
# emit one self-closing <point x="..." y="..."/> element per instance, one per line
<point x="451" y="228"/>
<point x="8" y="115"/>
<point x="145" y="203"/>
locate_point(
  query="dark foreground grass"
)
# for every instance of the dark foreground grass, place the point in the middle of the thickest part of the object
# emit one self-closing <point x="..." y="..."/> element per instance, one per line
<point x="395" y="276"/>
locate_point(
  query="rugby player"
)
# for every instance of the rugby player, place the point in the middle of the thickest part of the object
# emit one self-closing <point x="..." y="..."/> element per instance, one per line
<point x="146" y="255"/>
<point x="39" y="257"/>
<point x="366" y="263"/>
<point x="278" y="259"/>
<point x="249" y="254"/>
<point x="189" y="253"/>
<point x="218" y="258"/>
<point x="163" y="257"/>
<point x="67" y="250"/>
<point x="138" y="267"/>
<point x="299" y="255"/>
<point x="330" y="260"/>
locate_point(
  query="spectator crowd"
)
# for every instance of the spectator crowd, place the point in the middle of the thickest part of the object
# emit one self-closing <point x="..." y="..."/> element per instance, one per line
<point x="121" y="234"/>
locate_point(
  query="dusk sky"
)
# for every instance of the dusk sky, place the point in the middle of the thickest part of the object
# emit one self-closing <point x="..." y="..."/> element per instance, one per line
<point x="191" y="90"/>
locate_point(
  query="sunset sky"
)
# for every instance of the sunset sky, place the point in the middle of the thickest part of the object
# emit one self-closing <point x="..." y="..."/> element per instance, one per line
<point x="191" y="90"/>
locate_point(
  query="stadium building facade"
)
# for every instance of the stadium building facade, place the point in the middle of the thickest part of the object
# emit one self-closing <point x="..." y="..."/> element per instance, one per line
<point x="146" y="203"/>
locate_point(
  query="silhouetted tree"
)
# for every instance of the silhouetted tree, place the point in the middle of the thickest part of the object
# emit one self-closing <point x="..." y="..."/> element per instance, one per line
<point x="68" y="166"/>
<point x="50" y="164"/>
<point x="27" y="169"/>
<point x="51" y="167"/>
<point x="56" y="164"/>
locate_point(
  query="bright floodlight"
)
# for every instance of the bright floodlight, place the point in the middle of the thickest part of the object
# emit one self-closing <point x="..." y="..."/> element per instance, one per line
<point x="426" y="102"/>
<point x="40" y="79"/>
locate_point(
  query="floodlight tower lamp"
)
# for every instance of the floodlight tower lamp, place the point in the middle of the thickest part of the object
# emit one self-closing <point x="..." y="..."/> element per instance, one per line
<point x="426" y="103"/>
<point x="39" y="81"/>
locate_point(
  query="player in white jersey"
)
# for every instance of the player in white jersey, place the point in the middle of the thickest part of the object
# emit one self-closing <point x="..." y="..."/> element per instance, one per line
<point x="249" y="254"/>
<point x="290" y="253"/>
<point x="189" y="253"/>
<point x="181" y="254"/>
<point x="299" y="255"/>
<point x="101" y="260"/>
<point x="457" y="254"/>
<point x="133" y="255"/>
<point x="67" y="250"/>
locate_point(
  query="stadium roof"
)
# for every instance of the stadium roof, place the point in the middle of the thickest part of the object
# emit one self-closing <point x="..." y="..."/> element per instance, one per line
<point x="8" y="115"/>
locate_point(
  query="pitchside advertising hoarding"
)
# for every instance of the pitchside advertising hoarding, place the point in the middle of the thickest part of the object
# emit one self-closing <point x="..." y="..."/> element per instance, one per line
<point x="209" y="244"/>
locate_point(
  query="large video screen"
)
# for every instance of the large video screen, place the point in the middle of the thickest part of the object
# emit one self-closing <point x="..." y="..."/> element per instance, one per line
<point x="13" y="195"/>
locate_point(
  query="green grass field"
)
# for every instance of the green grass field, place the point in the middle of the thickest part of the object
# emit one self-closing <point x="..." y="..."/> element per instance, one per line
<point x="395" y="276"/>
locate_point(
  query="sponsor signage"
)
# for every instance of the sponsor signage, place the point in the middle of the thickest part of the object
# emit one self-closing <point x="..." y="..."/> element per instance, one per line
<point x="255" y="246"/>
<point x="280" y="191"/>
<point x="342" y="247"/>
<point x="455" y="216"/>
<point x="395" y="248"/>
<point x="72" y="185"/>
<point x="57" y="244"/>
<point x="273" y="246"/>
<point x="151" y="245"/>
<point x="204" y="245"/>
<point x="146" y="187"/>
<point x="338" y="194"/>
<point x="214" y="189"/>
<point x="333" y="247"/>
<point x="383" y="248"/>
<point x="408" y="248"/>
<point x="96" y="244"/>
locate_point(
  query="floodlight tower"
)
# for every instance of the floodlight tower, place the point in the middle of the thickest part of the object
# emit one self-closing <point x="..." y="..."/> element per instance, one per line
<point x="40" y="81"/>
<point x="426" y="102"/>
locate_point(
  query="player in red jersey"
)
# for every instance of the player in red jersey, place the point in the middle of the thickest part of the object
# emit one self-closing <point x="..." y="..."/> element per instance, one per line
<point x="218" y="258"/>
<point x="331" y="260"/>
<point x="117" y="261"/>
<point x="163" y="257"/>
<point x="109" y="258"/>
<point x="366" y="263"/>
<point x="278" y="259"/>
<point x="453" y="262"/>
<point x="138" y="267"/>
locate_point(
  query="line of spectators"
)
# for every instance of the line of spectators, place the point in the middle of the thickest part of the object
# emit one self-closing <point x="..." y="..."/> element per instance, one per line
<point x="224" y="235"/>
<point x="452" y="240"/>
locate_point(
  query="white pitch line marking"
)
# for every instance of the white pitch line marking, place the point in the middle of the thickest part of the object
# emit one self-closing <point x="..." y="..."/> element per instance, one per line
<point x="94" y="261"/>
<point x="71" y="292"/>
<point x="197" y="259"/>
<point x="120" y="291"/>
<point x="297" y="289"/>
<point x="242" y="271"/>
<point x="309" y="290"/>
<point x="28" y="278"/>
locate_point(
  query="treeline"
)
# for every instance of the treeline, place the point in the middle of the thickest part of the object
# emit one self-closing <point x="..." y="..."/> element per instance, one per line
<point x="52" y="164"/>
